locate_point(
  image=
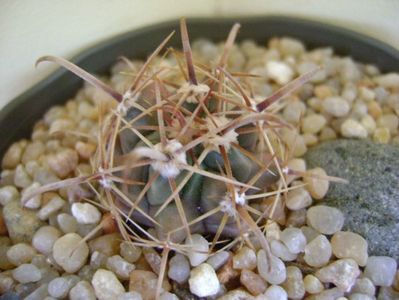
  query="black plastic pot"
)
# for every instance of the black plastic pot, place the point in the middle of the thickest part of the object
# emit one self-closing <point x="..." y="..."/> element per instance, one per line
<point x="18" y="117"/>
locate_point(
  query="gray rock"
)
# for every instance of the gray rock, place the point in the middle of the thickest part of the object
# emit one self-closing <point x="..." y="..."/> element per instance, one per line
<point x="370" y="202"/>
<point x="21" y="222"/>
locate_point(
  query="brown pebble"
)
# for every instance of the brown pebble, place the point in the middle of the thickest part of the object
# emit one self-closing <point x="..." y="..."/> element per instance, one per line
<point x="12" y="157"/>
<point x="108" y="244"/>
<point x="153" y="259"/>
<point x="252" y="282"/>
<point x="85" y="150"/>
<point x="228" y="276"/>
<point x="109" y="224"/>
<point x="145" y="283"/>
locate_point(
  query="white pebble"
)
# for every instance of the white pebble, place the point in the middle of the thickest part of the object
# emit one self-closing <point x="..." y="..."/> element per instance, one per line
<point x="276" y="273"/>
<point x="35" y="201"/>
<point x="21" y="253"/>
<point x="168" y="296"/>
<point x="218" y="259"/>
<point x="54" y="205"/>
<point x="86" y="213"/>
<point x="21" y="177"/>
<point x="347" y="244"/>
<point x="364" y="286"/>
<point x="70" y="252"/>
<point x="298" y="198"/>
<point x="313" y="123"/>
<point x="26" y="273"/>
<point x="106" y="285"/>
<point x="318" y="252"/>
<point x="313" y="284"/>
<point x="67" y="223"/>
<point x="281" y="251"/>
<point x="275" y="292"/>
<point x="353" y="129"/>
<point x="179" y="268"/>
<point x="294" y="239"/>
<point x="294" y="284"/>
<point x="120" y="267"/>
<point x="359" y="296"/>
<point x="381" y="270"/>
<point x="8" y="193"/>
<point x="59" y="287"/>
<point x="336" y="106"/>
<point x="44" y="239"/>
<point x="390" y="80"/>
<point x="245" y="258"/>
<point x="82" y="291"/>
<point x="203" y="281"/>
<point x="325" y="219"/>
<point x="293" y="111"/>
<point x="342" y="273"/>
<point x="279" y="72"/>
<point x="198" y="249"/>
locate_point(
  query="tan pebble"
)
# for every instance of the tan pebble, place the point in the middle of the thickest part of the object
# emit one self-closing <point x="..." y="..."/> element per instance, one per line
<point x="327" y="133"/>
<point x="32" y="152"/>
<point x="368" y="122"/>
<point x="245" y="258"/>
<point x="353" y="129"/>
<point x="60" y="126"/>
<point x="310" y="139"/>
<point x="85" y="150"/>
<point x="21" y="177"/>
<point x="12" y="157"/>
<point x="347" y="244"/>
<point x="382" y="135"/>
<point x="295" y="164"/>
<point x="389" y="121"/>
<point x="315" y="184"/>
<point x="109" y="224"/>
<point x="315" y="103"/>
<point x="313" y="284"/>
<point x="252" y="282"/>
<point x="279" y="215"/>
<point x="227" y="273"/>
<point x="296" y="218"/>
<point x="70" y="252"/>
<point x="145" y="283"/>
<point x="153" y="259"/>
<point x="106" y="285"/>
<point x="313" y="123"/>
<point x="63" y="162"/>
<point x="374" y="109"/>
<point x="323" y="91"/>
<point x="108" y="244"/>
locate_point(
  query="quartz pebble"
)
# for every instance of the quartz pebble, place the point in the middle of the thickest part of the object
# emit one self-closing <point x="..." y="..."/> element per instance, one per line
<point x="218" y="259"/>
<point x="64" y="162"/>
<point x="106" y="285"/>
<point x="381" y="270"/>
<point x="353" y="129"/>
<point x="44" y="239"/>
<point x="313" y="123"/>
<point x="153" y="259"/>
<point x="315" y="184"/>
<point x="252" y="282"/>
<point x="137" y="296"/>
<point x="310" y="233"/>
<point x="347" y="244"/>
<point x="98" y="260"/>
<point x="312" y="284"/>
<point x="325" y="219"/>
<point x="86" y="213"/>
<point x="198" y="251"/>
<point x="55" y="204"/>
<point x="298" y="198"/>
<point x="21" y="253"/>
<point x="276" y="292"/>
<point x="359" y="296"/>
<point x="26" y="273"/>
<point x="342" y="273"/>
<point x="318" y="252"/>
<point x="7" y="194"/>
<point x="145" y="283"/>
<point x="293" y="112"/>
<point x="120" y="267"/>
<point x="281" y="251"/>
<point x="179" y="268"/>
<point x="130" y="252"/>
<point x="272" y="271"/>
<point x="294" y="284"/>
<point x="67" y="223"/>
<point x="279" y="71"/>
<point x="336" y="106"/>
<point x="70" y="252"/>
<point x="108" y="244"/>
<point x="82" y="291"/>
<point x="60" y="287"/>
<point x="32" y="202"/>
<point x="238" y="294"/>
<point x="364" y="286"/>
<point x="245" y="258"/>
<point x="203" y="281"/>
<point x="294" y="239"/>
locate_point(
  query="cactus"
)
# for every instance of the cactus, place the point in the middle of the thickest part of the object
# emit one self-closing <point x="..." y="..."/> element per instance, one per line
<point x="197" y="155"/>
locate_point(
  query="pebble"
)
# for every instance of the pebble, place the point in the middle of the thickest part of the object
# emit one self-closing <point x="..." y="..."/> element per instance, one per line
<point x="381" y="270"/>
<point x="21" y="223"/>
<point x="7" y="283"/>
<point x="364" y="286"/>
<point x="35" y="201"/>
<point x="281" y="251"/>
<point x="145" y="283"/>
<point x="218" y="259"/>
<point x="179" y="268"/>
<point x="7" y="194"/>
<point x="137" y="296"/>
<point x="368" y="122"/>
<point x="279" y="72"/>
<point x="21" y="177"/>
<point x="382" y="136"/>
<point x="353" y="129"/>
<point x="294" y="239"/>
<point x="167" y="296"/>
<point x="390" y="121"/>
<point x="325" y="219"/>
<point x="310" y="233"/>
<point x="252" y="282"/>
<point x="276" y="274"/>
<point x="120" y="267"/>
<point x="153" y="259"/>
<point x="294" y="285"/>
<point x="198" y="251"/>
<point x="293" y="111"/>
<point x="106" y="285"/>
<point x="44" y="239"/>
<point x="64" y="162"/>
<point x="70" y="252"/>
<point x="313" y="123"/>
<point x="275" y="292"/>
<point x="38" y="294"/>
<point x="67" y="223"/>
<point x="298" y="198"/>
<point x="59" y="287"/>
<point x="98" y="260"/>
<point x="82" y="291"/>
<point x="346" y="244"/>
<point x="336" y="106"/>
<point x="315" y="184"/>
<point x="108" y="244"/>
<point x="318" y="252"/>
<point x="26" y="273"/>
<point x="245" y="258"/>
<point x="13" y="156"/>
<point x="342" y="273"/>
<point x="130" y="252"/>
<point x="203" y="281"/>
<point x="296" y="218"/>
<point x="237" y="294"/>
<point x="390" y="80"/>
<point x="21" y="253"/>
<point x="85" y="213"/>
<point x="290" y="46"/>
<point x="312" y="284"/>
<point x="55" y="204"/>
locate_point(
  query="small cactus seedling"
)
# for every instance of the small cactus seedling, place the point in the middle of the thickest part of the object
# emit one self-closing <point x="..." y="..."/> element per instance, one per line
<point x="186" y="149"/>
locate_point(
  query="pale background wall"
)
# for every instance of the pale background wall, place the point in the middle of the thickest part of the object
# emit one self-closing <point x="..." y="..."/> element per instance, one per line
<point x="32" y="28"/>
